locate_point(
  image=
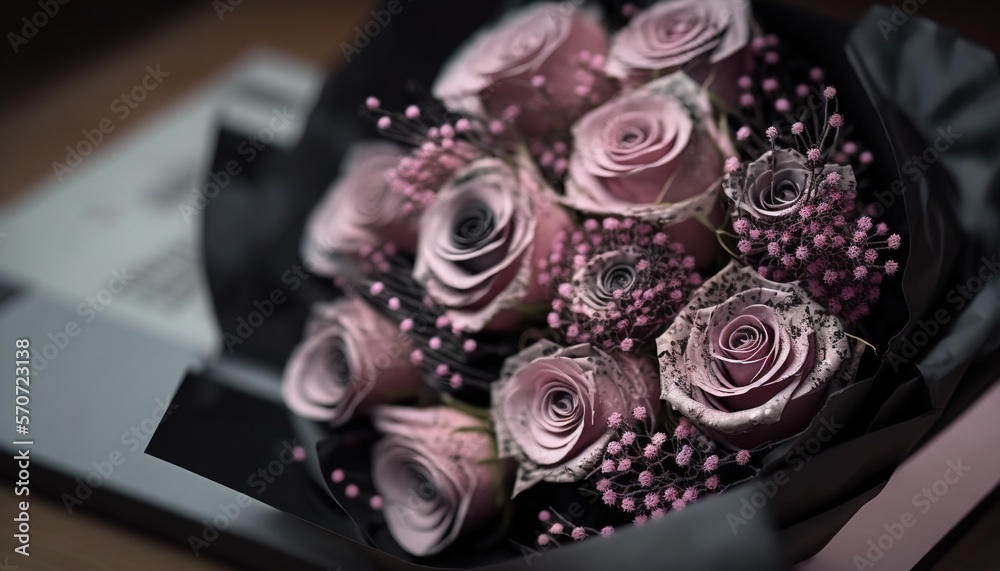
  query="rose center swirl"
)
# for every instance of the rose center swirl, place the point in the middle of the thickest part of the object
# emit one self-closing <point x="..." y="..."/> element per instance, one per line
<point x="563" y="403"/>
<point x="630" y="136"/>
<point x="778" y="191"/>
<point x="560" y="408"/>
<point x="746" y="337"/>
<point x="676" y="26"/>
<point x="420" y="481"/>
<point x="614" y="277"/>
<point x="473" y="225"/>
<point x="784" y="192"/>
<point x="340" y="367"/>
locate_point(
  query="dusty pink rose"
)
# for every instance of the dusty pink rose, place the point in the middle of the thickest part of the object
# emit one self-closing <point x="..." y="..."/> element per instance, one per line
<point x="705" y="38"/>
<point x="436" y="473"/>
<point x="351" y="359"/>
<point x="655" y="154"/>
<point x="751" y="360"/>
<point x="360" y="209"/>
<point x="550" y="407"/>
<point x="481" y="240"/>
<point x="496" y="68"/>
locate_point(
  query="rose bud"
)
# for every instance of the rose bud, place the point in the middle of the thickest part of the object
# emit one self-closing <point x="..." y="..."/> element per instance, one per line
<point x="436" y="475"/>
<point x="351" y="359"/>
<point x="551" y="407"/>
<point x="498" y="67"/>
<point x="705" y="38"/>
<point x="777" y="184"/>
<point x="751" y="360"/>
<point x="360" y="209"/>
<point x="655" y="154"/>
<point x="481" y="239"/>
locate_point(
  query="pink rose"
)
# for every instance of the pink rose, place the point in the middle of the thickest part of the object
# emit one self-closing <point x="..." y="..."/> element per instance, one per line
<point x="777" y="185"/>
<point x="551" y="406"/>
<point x="751" y="360"/>
<point x="654" y="154"/>
<point x="482" y="238"/>
<point x="705" y="38"/>
<point x="360" y="209"/>
<point x="351" y="359"/>
<point x="434" y="471"/>
<point x="495" y="69"/>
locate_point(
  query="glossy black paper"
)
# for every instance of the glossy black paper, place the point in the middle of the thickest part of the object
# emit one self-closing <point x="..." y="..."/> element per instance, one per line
<point x="922" y="86"/>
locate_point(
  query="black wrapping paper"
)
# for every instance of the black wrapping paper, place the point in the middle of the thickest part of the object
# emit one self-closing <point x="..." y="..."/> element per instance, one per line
<point x="903" y="96"/>
<point x="926" y="85"/>
<point x="228" y="430"/>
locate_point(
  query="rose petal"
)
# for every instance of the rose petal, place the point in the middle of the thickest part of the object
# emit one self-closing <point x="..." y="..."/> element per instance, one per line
<point x="379" y="368"/>
<point x="808" y="353"/>
<point x="653" y="154"/>
<point x="680" y="34"/>
<point x="433" y="474"/>
<point x="494" y="70"/>
<point x="477" y="277"/>
<point x="359" y="209"/>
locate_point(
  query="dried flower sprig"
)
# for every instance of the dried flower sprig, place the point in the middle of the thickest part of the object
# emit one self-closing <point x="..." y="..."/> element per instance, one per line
<point x="556" y="528"/>
<point x="646" y="472"/>
<point x="798" y="216"/>
<point x="453" y="361"/>
<point x="618" y="282"/>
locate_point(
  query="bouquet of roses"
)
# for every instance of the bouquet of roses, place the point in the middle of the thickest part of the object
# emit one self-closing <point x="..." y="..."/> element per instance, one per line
<point x="626" y="261"/>
<point x="662" y="272"/>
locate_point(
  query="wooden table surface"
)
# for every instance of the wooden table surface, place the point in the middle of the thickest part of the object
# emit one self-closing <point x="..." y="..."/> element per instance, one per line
<point x="194" y="45"/>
